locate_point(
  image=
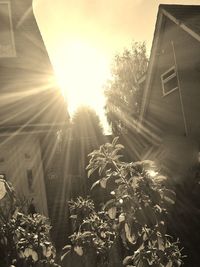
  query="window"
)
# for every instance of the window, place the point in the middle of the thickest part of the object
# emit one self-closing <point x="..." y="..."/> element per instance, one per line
<point x="169" y="81"/>
<point x="7" y="46"/>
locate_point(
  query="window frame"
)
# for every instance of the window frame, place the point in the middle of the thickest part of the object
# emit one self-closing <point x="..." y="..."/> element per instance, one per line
<point x="165" y="80"/>
<point x="13" y="54"/>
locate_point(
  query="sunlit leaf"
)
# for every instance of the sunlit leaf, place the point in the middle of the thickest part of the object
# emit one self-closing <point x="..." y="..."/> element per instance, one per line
<point x="130" y="238"/>
<point x="169" y="264"/>
<point x="67" y="247"/>
<point x="112" y="212"/>
<point x="2" y="189"/>
<point x="64" y="255"/>
<point x="95" y="184"/>
<point x="78" y="250"/>
<point x="74" y="216"/>
<point x="127" y="260"/>
<point x="109" y="204"/>
<point x="103" y="182"/>
<point x="114" y="142"/>
<point x="119" y="146"/>
<point x="121" y="217"/>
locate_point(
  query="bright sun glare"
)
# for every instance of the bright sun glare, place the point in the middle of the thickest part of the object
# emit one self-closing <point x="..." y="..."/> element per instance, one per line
<point x="82" y="74"/>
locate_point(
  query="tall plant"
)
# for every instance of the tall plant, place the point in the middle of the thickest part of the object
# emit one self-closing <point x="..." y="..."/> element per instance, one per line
<point x="134" y="215"/>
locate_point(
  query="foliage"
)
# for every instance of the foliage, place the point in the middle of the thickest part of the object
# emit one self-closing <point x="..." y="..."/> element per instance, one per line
<point x="123" y="94"/>
<point x="86" y="124"/>
<point x="94" y="231"/>
<point x="136" y="212"/>
<point x="80" y="209"/>
<point x="24" y="239"/>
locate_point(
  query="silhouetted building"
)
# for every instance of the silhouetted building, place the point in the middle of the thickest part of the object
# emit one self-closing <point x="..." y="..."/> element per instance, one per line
<point x="169" y="122"/>
<point x="32" y="110"/>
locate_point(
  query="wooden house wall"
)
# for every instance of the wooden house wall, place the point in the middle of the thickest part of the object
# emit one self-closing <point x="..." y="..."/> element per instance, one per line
<point x="178" y="140"/>
<point x="165" y="112"/>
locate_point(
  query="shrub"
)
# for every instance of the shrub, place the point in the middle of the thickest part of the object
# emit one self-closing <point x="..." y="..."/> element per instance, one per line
<point x="133" y="217"/>
<point x="24" y="239"/>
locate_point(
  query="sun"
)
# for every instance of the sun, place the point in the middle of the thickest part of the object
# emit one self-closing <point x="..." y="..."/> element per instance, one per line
<point x="81" y="73"/>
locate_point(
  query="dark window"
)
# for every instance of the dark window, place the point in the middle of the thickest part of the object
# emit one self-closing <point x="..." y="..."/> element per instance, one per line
<point x="169" y="81"/>
<point x="7" y="48"/>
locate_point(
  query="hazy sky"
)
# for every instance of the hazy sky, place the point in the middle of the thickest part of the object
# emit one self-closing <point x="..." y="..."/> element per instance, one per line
<point x="103" y="27"/>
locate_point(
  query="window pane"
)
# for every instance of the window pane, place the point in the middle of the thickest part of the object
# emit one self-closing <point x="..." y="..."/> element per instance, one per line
<point x="168" y="74"/>
<point x="170" y="85"/>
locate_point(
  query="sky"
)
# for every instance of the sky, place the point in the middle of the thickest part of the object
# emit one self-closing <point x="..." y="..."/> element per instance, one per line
<point x="83" y="36"/>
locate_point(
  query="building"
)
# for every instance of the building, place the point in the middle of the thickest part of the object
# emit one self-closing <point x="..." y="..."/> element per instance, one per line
<point x="32" y="110"/>
<point x="169" y="124"/>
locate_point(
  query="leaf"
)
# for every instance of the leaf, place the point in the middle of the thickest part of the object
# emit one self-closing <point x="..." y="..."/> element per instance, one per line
<point x="127" y="260"/>
<point x="95" y="184"/>
<point x="169" y="196"/>
<point x="103" y="234"/>
<point x="140" y="264"/>
<point x="101" y="169"/>
<point x="114" y="141"/>
<point x="118" y="180"/>
<point x="169" y="264"/>
<point x="2" y="189"/>
<point x="112" y="212"/>
<point x="78" y="250"/>
<point x="121" y="217"/>
<point x="67" y="247"/>
<point x="131" y="238"/>
<point x="90" y="172"/>
<point x="161" y="243"/>
<point x="74" y="216"/>
<point x="103" y="182"/>
<point x="109" y="204"/>
<point x="119" y="146"/>
<point x="64" y="255"/>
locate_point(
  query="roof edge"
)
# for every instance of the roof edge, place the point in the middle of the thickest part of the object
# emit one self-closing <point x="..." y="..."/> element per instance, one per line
<point x="181" y="25"/>
<point x="150" y="68"/>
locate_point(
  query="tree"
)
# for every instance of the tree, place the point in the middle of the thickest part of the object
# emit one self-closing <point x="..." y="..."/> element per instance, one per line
<point x="86" y="135"/>
<point x="86" y="124"/>
<point x="123" y="93"/>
